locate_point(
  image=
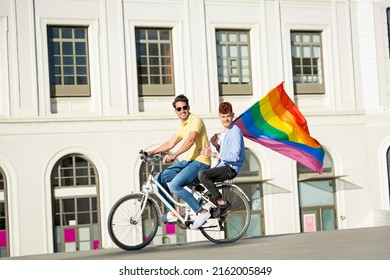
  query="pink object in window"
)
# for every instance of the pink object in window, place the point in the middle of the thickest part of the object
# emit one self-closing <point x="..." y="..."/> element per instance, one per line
<point x="69" y="235"/>
<point x="3" y="239"/>
<point x="170" y="228"/>
<point x="310" y="223"/>
<point x="96" y="244"/>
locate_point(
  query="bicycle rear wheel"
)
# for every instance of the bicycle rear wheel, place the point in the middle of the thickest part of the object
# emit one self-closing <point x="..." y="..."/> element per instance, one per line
<point x="129" y="229"/>
<point x="232" y="225"/>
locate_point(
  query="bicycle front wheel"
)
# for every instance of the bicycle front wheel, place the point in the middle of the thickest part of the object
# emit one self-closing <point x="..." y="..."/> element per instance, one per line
<point x="233" y="224"/>
<point x="130" y="229"/>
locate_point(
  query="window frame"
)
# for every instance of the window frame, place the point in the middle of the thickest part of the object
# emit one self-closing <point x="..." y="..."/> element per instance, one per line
<point x="240" y="88"/>
<point x="312" y="179"/>
<point x="72" y="90"/>
<point x="302" y="88"/>
<point x="75" y="192"/>
<point x="73" y="171"/>
<point x="149" y="89"/>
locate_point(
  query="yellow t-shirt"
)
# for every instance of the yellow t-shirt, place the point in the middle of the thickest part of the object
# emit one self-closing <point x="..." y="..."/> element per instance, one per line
<point x="194" y="123"/>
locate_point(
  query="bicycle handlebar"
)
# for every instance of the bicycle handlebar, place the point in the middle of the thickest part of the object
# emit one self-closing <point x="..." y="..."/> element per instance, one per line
<point x="154" y="158"/>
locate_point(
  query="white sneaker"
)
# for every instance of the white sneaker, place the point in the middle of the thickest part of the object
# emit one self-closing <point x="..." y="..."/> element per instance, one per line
<point x="200" y="219"/>
<point x="169" y="218"/>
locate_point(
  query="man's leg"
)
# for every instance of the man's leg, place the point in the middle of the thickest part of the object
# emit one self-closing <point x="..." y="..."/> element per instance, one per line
<point x="186" y="176"/>
<point x="166" y="176"/>
<point x="217" y="174"/>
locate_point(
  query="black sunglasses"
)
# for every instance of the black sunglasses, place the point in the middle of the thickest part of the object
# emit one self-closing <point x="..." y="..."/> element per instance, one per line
<point x="184" y="108"/>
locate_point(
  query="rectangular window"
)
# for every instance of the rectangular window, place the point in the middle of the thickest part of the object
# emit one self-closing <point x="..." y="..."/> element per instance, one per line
<point x="68" y="61"/>
<point x="233" y="61"/>
<point x="154" y="62"/>
<point x="75" y="210"/>
<point x="76" y="225"/>
<point x="306" y="55"/>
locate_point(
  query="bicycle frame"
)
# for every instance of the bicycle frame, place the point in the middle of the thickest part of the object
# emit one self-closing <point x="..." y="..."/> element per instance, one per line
<point x="152" y="186"/>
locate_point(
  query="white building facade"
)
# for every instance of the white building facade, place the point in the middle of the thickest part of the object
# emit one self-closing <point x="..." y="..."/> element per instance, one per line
<point x="86" y="84"/>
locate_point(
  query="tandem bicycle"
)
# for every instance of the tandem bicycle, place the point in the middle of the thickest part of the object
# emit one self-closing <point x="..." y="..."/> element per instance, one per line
<point x="134" y="219"/>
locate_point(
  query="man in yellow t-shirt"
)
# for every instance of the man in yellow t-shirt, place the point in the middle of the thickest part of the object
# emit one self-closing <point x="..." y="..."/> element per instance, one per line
<point x="193" y="131"/>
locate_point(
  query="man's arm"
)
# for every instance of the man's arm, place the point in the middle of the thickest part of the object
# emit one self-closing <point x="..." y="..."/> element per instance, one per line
<point x="187" y="143"/>
<point x="171" y="143"/>
<point x="166" y="146"/>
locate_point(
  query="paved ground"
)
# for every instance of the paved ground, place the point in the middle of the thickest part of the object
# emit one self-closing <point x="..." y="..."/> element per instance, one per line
<point x="350" y="244"/>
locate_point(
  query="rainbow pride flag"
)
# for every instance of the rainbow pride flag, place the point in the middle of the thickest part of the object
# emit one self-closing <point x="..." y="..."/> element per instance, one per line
<point x="276" y="123"/>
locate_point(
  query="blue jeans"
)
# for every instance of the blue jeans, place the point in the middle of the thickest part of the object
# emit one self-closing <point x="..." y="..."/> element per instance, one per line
<point x="181" y="174"/>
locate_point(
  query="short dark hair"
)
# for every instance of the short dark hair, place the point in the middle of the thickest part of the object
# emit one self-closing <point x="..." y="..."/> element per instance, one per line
<point x="225" y="108"/>
<point x="180" y="98"/>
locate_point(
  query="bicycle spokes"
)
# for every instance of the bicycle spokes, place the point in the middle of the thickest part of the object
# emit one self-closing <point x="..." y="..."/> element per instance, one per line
<point x="232" y="224"/>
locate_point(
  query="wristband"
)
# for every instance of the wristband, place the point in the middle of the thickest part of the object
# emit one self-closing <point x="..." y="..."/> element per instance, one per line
<point x="215" y="155"/>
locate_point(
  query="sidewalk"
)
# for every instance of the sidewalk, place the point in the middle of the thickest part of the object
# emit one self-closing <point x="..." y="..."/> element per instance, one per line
<point x="350" y="244"/>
